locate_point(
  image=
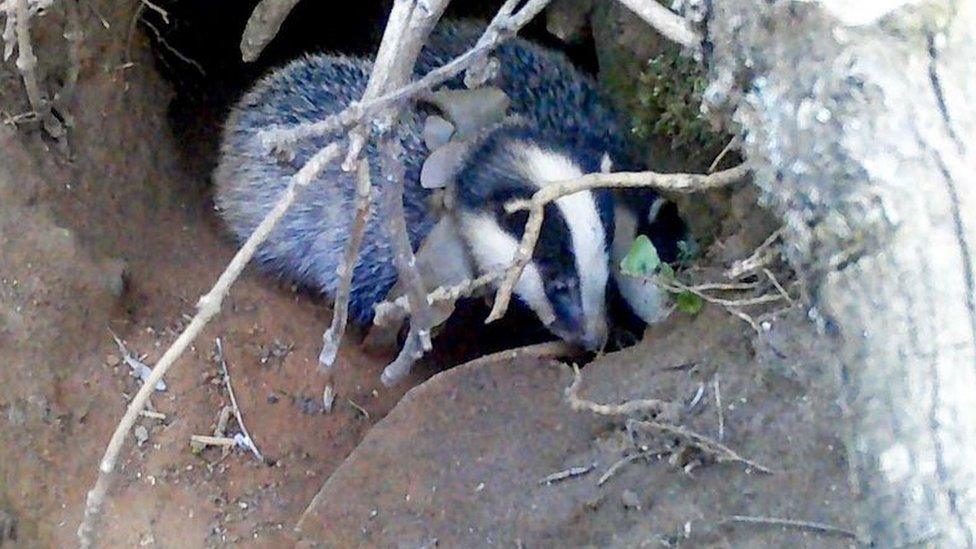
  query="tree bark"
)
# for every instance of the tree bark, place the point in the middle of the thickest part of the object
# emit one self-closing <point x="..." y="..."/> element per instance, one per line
<point x="859" y="127"/>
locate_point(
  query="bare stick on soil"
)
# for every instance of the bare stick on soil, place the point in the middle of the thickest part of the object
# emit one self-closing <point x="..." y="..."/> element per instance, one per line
<point x="629" y="408"/>
<point x="207" y="308"/>
<point x="718" y="406"/>
<point x="793" y="523"/>
<point x="247" y="441"/>
<point x="675" y="182"/>
<point x="711" y="448"/>
<point x="571" y="472"/>
<point x="617" y="465"/>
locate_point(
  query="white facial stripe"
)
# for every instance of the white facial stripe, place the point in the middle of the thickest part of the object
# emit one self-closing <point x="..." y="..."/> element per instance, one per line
<point x="493" y="250"/>
<point x="586" y="230"/>
<point x="655" y="209"/>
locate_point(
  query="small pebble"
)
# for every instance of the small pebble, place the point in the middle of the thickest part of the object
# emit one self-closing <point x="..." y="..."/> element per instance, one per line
<point x="630" y="499"/>
<point x="142" y="434"/>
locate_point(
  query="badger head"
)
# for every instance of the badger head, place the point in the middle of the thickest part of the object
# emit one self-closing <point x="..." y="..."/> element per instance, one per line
<point x="565" y="282"/>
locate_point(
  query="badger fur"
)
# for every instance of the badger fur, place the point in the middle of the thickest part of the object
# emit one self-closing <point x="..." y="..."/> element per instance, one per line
<point x="564" y="133"/>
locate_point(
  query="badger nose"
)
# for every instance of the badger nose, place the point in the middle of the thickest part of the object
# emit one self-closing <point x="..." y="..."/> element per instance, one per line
<point x="594" y="340"/>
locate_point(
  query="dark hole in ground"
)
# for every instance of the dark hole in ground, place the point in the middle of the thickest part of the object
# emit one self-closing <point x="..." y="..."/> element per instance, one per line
<point x="196" y="48"/>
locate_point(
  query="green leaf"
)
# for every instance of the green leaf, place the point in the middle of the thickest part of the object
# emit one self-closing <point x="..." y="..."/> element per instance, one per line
<point x="690" y="303"/>
<point x="642" y="259"/>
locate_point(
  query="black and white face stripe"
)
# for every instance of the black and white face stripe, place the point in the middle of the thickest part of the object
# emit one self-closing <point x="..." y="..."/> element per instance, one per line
<point x="565" y="283"/>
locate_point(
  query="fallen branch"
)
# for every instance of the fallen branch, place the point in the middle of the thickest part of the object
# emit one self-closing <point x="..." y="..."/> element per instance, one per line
<point x="207" y="307"/>
<point x="675" y="183"/>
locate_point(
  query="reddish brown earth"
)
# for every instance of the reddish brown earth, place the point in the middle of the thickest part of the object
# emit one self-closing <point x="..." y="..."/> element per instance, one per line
<point x="119" y="237"/>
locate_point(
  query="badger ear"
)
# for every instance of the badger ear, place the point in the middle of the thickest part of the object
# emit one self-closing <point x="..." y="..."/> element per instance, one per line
<point x="471" y="111"/>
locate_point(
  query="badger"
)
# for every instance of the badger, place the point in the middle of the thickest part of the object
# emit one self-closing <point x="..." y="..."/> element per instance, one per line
<point x="563" y="130"/>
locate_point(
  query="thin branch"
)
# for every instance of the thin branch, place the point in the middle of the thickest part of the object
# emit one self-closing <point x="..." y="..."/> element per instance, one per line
<point x="718" y="406"/>
<point x="676" y="182"/>
<point x="671" y="25"/>
<point x="629" y="408"/>
<point x="27" y="65"/>
<point x="205" y="440"/>
<point x="676" y="287"/>
<point x="714" y="449"/>
<point x="207" y="307"/>
<point x="501" y="28"/>
<point x="75" y="35"/>
<point x="333" y="336"/>
<point x="571" y="472"/>
<point x="733" y="143"/>
<point x="247" y="441"/>
<point x="389" y="312"/>
<point x="263" y="25"/>
<point x="418" y="339"/>
<point x="759" y="258"/>
<point x="819" y="527"/>
<point x="619" y="464"/>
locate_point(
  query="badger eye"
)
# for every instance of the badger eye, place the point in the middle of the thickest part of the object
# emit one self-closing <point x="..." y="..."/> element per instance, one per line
<point x="561" y="284"/>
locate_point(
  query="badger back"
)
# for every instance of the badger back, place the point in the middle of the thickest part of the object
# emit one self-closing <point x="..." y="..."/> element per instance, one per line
<point x="307" y="245"/>
<point x="544" y="87"/>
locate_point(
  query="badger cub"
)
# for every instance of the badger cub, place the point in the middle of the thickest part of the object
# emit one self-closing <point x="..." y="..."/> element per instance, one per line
<point x="563" y="131"/>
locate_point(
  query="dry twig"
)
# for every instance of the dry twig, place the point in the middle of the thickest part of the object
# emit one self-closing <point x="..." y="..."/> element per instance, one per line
<point x="671" y="25"/>
<point x="711" y="448"/>
<point x="246" y="441"/>
<point x="718" y="406"/>
<point x="793" y="523"/>
<point x="340" y="312"/>
<point x="631" y="407"/>
<point x="505" y="25"/>
<point x="617" y="465"/>
<point x="675" y="182"/>
<point x="27" y="65"/>
<point x="263" y="25"/>
<point x="418" y="339"/>
<point x="389" y="312"/>
<point x="568" y="473"/>
<point x="204" y="440"/>
<point x="760" y="257"/>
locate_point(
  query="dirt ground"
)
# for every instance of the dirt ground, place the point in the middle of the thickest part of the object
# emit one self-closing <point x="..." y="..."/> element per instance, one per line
<point x="118" y="236"/>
